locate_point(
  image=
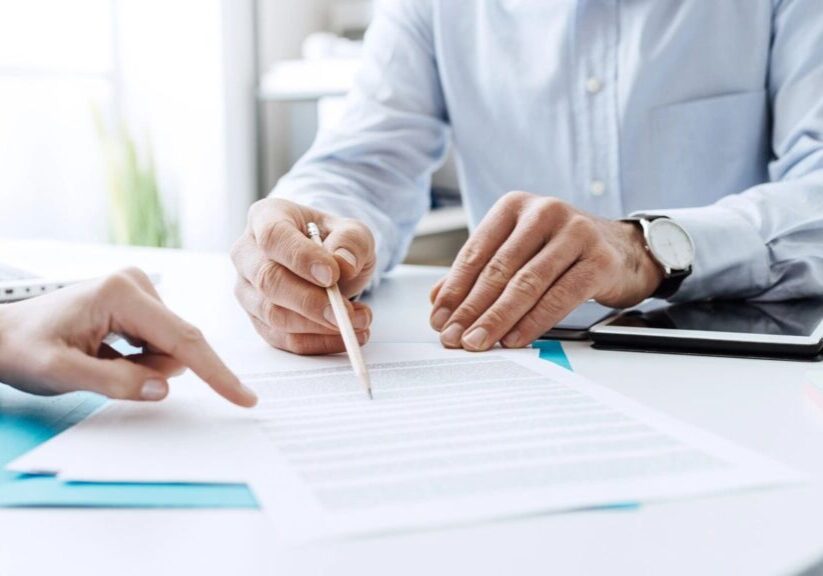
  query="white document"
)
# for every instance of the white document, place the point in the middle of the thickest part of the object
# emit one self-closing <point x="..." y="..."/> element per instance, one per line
<point x="453" y="437"/>
<point x="193" y="436"/>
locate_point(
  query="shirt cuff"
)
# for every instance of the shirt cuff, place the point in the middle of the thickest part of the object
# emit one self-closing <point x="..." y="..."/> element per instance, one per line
<point x="731" y="259"/>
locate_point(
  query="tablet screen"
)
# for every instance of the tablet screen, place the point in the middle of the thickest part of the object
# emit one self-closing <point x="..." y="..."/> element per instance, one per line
<point x="791" y="318"/>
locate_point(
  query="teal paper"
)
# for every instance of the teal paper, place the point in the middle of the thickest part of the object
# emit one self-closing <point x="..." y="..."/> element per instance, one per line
<point x="552" y="351"/>
<point x="27" y="421"/>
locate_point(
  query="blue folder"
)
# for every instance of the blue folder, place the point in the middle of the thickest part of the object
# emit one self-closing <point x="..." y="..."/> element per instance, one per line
<point x="27" y="421"/>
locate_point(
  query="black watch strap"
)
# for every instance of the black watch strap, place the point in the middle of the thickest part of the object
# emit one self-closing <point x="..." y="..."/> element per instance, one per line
<point x="670" y="285"/>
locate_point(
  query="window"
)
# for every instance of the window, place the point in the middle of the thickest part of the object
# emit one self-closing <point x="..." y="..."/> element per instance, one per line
<point x="56" y="70"/>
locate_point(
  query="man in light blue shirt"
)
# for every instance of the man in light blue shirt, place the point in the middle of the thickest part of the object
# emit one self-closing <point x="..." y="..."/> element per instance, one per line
<point x="706" y="112"/>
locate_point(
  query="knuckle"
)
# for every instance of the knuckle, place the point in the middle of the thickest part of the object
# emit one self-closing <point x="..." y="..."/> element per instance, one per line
<point x="528" y="283"/>
<point x="516" y="197"/>
<point x="312" y="302"/>
<point x="271" y="235"/>
<point x="471" y="258"/>
<point x="466" y="314"/>
<point x="552" y="309"/>
<point x="447" y="296"/>
<point x="274" y="315"/>
<point x="581" y="226"/>
<point x="115" y="284"/>
<point x="497" y="272"/>
<point x="494" y="318"/>
<point x="269" y="276"/>
<point x="188" y="335"/>
<point x="552" y="209"/>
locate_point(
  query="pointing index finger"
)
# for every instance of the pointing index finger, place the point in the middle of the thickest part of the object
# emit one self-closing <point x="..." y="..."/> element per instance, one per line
<point x="149" y="320"/>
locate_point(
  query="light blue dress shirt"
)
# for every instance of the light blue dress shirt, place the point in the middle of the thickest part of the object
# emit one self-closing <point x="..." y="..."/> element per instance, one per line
<point x="708" y="111"/>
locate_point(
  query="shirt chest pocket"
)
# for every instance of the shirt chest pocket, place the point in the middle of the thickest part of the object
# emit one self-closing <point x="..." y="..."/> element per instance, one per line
<point x="709" y="148"/>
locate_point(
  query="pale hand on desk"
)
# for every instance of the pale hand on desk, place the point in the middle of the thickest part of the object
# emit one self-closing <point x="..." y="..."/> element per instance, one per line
<point x="54" y="344"/>
<point x="531" y="261"/>
<point x="282" y="275"/>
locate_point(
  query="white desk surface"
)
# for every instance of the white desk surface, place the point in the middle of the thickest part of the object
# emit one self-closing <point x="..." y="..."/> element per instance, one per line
<point x="759" y="404"/>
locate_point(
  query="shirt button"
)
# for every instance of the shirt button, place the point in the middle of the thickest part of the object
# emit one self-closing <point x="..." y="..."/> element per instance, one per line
<point x="594" y="85"/>
<point x="597" y="188"/>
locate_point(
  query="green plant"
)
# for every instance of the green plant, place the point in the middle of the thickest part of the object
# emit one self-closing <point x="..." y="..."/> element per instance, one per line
<point x="137" y="215"/>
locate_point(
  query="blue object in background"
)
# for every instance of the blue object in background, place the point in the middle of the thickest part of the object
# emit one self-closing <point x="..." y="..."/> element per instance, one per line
<point x="27" y="421"/>
<point x="552" y="351"/>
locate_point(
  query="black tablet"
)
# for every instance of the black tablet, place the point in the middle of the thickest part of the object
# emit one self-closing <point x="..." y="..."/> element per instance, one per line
<point x="741" y="328"/>
<point x="576" y="325"/>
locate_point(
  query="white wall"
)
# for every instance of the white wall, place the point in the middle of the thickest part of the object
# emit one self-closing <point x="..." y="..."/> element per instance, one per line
<point x="53" y="73"/>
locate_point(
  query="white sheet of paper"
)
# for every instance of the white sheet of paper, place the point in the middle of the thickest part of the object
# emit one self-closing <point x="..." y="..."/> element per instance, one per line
<point x="452" y="438"/>
<point x="190" y="437"/>
<point x="193" y="436"/>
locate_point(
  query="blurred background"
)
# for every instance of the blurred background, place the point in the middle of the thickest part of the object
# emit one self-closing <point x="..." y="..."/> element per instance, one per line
<point x="158" y="122"/>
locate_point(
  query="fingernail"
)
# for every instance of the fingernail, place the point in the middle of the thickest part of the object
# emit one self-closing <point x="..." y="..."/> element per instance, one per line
<point x="511" y="339"/>
<point x="179" y="372"/>
<point x="440" y="317"/>
<point x="322" y="274"/>
<point x="451" y="335"/>
<point x="347" y="256"/>
<point x="154" y="390"/>
<point x="476" y="338"/>
<point x="328" y="314"/>
<point x="363" y="337"/>
<point x="361" y="320"/>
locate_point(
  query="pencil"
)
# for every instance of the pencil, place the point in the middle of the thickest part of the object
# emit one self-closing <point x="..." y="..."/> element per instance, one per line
<point x="341" y="315"/>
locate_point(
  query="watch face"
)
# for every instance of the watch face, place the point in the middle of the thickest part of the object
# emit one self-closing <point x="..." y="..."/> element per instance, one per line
<point x="670" y="244"/>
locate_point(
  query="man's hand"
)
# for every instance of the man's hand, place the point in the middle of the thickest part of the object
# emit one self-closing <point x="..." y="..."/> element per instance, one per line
<point x="532" y="261"/>
<point x="55" y="343"/>
<point x="283" y="275"/>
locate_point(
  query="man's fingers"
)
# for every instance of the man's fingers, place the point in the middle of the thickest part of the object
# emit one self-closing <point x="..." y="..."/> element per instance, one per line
<point x="306" y="344"/>
<point x="521" y="294"/>
<point x="284" y="240"/>
<point x="136" y="314"/>
<point x="507" y="263"/>
<point x="283" y="319"/>
<point x="352" y="244"/>
<point x="475" y="254"/>
<point x="281" y="287"/>
<point x="576" y="286"/>
<point x="115" y="378"/>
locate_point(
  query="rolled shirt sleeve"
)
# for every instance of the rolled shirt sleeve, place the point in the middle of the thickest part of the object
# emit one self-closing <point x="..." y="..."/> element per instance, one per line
<point x="767" y="242"/>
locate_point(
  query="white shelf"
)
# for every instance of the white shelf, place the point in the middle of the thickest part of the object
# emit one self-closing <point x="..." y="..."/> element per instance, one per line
<point x="302" y="80"/>
<point x="441" y="221"/>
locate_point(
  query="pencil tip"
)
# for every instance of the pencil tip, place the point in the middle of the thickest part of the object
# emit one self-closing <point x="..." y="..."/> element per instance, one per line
<point x="371" y="396"/>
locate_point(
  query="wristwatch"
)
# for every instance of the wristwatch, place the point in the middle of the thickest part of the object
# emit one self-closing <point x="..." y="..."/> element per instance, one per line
<point x="670" y="246"/>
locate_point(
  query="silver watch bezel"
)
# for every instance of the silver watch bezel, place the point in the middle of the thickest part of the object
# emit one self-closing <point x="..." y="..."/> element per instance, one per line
<point x="647" y="225"/>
